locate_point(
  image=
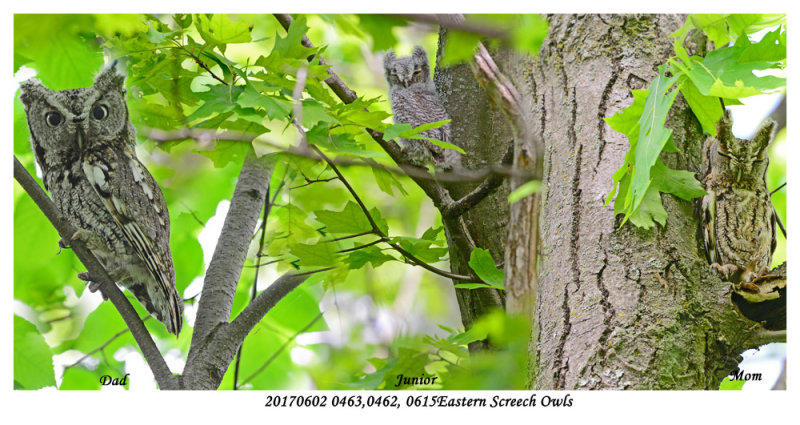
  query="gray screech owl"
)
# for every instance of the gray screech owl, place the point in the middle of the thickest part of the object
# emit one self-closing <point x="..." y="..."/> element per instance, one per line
<point x="84" y="142"/>
<point x="738" y="220"/>
<point x="414" y="101"/>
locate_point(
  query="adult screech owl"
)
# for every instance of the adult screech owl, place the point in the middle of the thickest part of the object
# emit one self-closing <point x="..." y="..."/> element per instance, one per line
<point x="737" y="215"/>
<point x="84" y="142"/>
<point x="414" y="101"/>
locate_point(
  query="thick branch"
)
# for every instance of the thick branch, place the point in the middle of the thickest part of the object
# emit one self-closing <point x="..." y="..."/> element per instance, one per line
<point x="164" y="377"/>
<point x="258" y="308"/>
<point x="226" y="264"/>
<point x="206" y="368"/>
<point x="486" y="187"/>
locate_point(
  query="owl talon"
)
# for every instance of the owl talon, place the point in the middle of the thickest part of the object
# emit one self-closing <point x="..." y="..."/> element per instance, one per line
<point x="92" y="283"/>
<point x="62" y="245"/>
<point x="764" y="277"/>
<point x="748" y="287"/>
<point x="726" y="270"/>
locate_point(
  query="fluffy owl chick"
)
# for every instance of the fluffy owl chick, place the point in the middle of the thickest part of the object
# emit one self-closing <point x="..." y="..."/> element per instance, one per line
<point x="83" y="142"/>
<point x="414" y="101"/>
<point x="738" y="220"/>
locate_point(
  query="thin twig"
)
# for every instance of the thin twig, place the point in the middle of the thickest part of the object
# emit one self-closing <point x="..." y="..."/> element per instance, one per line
<point x="416" y="173"/>
<point x="777" y="189"/>
<point x="105" y="344"/>
<point x="281" y="348"/>
<point x="368" y="232"/>
<point x="194" y="215"/>
<point x="352" y="191"/>
<point x="439" y="195"/>
<point x="379" y="232"/>
<point x="201" y="63"/>
<point x="312" y="181"/>
<point x="356" y="248"/>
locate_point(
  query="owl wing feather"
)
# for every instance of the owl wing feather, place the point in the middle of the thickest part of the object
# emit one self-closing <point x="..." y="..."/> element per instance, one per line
<point x="135" y="207"/>
<point x="709" y="208"/>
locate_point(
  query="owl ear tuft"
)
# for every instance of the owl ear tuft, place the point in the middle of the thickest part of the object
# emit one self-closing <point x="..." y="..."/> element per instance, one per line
<point x="724" y="126"/>
<point x="420" y="54"/>
<point x="388" y="58"/>
<point x="110" y="78"/>
<point x="31" y="89"/>
<point x="765" y="132"/>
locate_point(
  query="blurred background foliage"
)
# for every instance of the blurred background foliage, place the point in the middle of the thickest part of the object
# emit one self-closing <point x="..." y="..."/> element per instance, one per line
<point x="361" y="324"/>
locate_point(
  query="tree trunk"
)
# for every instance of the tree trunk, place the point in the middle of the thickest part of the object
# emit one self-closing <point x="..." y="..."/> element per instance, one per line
<point x="615" y="306"/>
<point x="484" y="135"/>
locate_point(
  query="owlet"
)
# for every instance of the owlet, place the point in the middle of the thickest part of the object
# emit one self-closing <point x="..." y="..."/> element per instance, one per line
<point x="738" y="220"/>
<point x="84" y="143"/>
<point x="414" y="101"/>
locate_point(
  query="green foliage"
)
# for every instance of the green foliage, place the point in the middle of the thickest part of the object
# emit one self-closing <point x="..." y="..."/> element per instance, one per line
<point x="724" y="75"/>
<point x="523" y="32"/>
<point x="33" y="361"/>
<point x="405" y="131"/>
<point x="533" y="186"/>
<point x="447" y="357"/>
<point x="482" y="264"/>
<point x="728" y="384"/>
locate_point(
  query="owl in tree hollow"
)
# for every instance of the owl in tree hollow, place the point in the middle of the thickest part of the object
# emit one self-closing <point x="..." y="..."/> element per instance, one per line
<point x="414" y="101"/>
<point x="84" y="143"/>
<point x="738" y="220"/>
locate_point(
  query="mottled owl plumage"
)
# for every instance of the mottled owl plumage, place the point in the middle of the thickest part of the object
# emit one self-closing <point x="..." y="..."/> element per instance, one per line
<point x="414" y="101"/>
<point x="84" y="144"/>
<point x="738" y="220"/>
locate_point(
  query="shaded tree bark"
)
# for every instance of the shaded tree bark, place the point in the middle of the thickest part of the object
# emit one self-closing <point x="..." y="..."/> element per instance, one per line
<point x="484" y="134"/>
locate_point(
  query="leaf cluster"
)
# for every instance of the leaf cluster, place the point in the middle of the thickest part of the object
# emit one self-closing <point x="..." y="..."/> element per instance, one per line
<point x="736" y="68"/>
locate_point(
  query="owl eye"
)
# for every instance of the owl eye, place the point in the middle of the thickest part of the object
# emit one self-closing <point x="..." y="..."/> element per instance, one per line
<point x="100" y="112"/>
<point x="417" y="72"/>
<point x="53" y="118"/>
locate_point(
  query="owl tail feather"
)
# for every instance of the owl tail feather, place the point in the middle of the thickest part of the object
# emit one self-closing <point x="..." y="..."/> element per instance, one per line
<point x="170" y="313"/>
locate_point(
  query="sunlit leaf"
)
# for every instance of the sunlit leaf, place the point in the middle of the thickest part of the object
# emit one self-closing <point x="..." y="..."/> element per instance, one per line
<point x="33" y="360"/>
<point x="482" y="264"/>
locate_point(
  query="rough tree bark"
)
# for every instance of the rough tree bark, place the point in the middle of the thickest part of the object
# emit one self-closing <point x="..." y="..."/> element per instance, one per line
<point x="615" y="307"/>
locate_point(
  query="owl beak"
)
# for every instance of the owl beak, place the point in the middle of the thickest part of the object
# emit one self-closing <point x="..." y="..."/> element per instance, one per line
<point x="80" y="137"/>
<point x="405" y="83"/>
